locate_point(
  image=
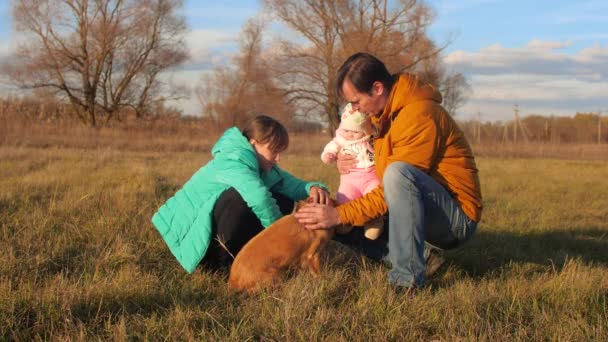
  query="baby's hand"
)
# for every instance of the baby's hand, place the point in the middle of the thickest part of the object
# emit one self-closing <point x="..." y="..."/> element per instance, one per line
<point x="328" y="157"/>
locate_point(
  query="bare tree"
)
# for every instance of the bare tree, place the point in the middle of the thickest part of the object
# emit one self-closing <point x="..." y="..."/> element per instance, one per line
<point x="455" y="90"/>
<point x="454" y="87"/>
<point x="232" y="93"/>
<point x="394" y="31"/>
<point x="101" y="55"/>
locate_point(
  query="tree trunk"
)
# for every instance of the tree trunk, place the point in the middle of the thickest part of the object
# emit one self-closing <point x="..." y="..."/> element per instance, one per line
<point x="91" y="114"/>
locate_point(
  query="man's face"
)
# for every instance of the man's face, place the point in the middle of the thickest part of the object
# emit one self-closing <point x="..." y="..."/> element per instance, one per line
<point x="371" y="104"/>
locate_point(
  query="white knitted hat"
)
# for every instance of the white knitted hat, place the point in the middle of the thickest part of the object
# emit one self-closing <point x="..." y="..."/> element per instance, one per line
<point x="355" y="120"/>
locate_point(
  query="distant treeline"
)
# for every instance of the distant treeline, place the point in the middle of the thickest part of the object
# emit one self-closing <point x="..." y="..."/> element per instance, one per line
<point x="45" y="110"/>
<point x="582" y="128"/>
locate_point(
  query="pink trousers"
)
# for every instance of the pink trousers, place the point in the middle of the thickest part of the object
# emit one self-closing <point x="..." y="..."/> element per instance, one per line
<point x="356" y="183"/>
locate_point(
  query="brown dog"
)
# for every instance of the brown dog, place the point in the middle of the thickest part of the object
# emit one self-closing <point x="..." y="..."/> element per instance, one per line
<point x="285" y="244"/>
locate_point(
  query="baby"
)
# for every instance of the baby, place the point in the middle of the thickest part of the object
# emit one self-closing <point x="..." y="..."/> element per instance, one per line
<point x="353" y="137"/>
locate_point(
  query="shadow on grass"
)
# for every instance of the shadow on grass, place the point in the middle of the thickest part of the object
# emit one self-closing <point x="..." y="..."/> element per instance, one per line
<point x="31" y="319"/>
<point x="105" y="306"/>
<point x="69" y="260"/>
<point x="490" y="250"/>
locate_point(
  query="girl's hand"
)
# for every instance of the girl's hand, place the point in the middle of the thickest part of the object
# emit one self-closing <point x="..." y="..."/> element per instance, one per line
<point x="318" y="216"/>
<point x="346" y="162"/>
<point x="318" y="195"/>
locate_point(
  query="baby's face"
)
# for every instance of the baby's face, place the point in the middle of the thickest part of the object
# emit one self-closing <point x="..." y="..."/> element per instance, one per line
<point x="352" y="135"/>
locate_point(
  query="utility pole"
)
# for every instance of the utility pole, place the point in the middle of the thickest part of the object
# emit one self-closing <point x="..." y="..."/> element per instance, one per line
<point x="519" y="125"/>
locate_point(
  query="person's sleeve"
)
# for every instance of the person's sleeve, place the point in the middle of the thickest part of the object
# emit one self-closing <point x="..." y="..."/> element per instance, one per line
<point x="416" y="144"/>
<point x="250" y="186"/>
<point x="363" y="209"/>
<point x="294" y="187"/>
<point x="331" y="147"/>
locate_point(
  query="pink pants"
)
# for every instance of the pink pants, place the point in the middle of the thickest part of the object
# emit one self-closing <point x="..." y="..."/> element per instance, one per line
<point x="356" y="183"/>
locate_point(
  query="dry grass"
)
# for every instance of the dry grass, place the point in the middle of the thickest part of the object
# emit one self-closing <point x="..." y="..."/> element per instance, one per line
<point x="543" y="150"/>
<point x="80" y="259"/>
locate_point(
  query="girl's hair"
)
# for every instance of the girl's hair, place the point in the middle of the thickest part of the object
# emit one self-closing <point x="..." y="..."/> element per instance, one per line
<point x="265" y="129"/>
<point x="362" y="70"/>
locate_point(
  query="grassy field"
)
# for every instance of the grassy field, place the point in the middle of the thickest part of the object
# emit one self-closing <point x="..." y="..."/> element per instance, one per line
<point x="80" y="260"/>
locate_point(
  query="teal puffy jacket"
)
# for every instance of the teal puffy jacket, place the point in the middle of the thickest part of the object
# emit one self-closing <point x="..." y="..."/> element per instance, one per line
<point x="184" y="221"/>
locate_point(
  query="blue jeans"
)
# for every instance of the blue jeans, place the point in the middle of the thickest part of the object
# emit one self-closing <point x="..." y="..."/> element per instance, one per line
<point x="420" y="210"/>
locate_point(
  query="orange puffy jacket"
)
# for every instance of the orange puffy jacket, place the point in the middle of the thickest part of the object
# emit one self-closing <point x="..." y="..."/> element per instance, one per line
<point x="415" y="128"/>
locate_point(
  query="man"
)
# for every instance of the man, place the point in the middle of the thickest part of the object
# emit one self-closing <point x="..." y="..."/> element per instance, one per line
<point x="430" y="185"/>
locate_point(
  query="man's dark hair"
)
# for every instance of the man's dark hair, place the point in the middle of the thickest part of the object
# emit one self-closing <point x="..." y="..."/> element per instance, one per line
<point x="362" y="70"/>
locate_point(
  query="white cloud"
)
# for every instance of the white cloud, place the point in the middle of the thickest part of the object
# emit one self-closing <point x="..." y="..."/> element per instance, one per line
<point x="537" y="57"/>
<point x="595" y="54"/>
<point x="541" y="45"/>
<point x="205" y="44"/>
<point x="539" y="77"/>
<point x="527" y="87"/>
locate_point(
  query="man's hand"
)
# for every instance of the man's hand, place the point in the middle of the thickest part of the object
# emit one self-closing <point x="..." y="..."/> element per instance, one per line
<point x="318" y="216"/>
<point x="318" y="195"/>
<point x="346" y="162"/>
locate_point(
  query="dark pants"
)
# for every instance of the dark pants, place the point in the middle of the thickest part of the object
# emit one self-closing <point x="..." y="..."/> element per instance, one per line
<point x="374" y="249"/>
<point x="233" y="225"/>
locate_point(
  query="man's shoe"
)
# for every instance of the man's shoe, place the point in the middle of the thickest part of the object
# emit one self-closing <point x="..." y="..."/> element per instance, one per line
<point x="374" y="228"/>
<point x="434" y="260"/>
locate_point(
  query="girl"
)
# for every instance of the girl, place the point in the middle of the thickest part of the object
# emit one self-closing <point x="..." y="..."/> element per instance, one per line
<point x="233" y="197"/>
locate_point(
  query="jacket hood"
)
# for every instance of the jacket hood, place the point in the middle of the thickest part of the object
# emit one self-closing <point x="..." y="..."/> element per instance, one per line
<point x="233" y="145"/>
<point x="406" y="90"/>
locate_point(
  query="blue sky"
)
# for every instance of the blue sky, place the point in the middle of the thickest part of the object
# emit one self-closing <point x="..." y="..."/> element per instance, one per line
<point x="514" y="23"/>
<point x="548" y="57"/>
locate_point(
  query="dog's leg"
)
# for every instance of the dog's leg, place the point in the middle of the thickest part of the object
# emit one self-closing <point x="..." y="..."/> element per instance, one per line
<point x="313" y="256"/>
<point x="314" y="264"/>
